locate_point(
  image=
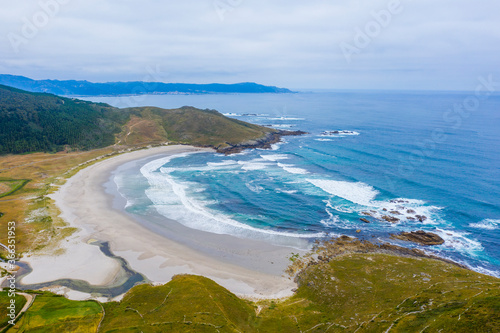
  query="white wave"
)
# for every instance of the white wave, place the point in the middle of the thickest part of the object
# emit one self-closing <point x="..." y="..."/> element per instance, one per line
<point x="488" y="224"/>
<point x="359" y="193"/>
<point x="223" y="163"/>
<point x="407" y="209"/>
<point x="324" y="140"/>
<point x="255" y="164"/>
<point x="458" y="241"/>
<point x="275" y="157"/>
<point x="276" y="146"/>
<point x="279" y="190"/>
<point x="291" y="169"/>
<point x="230" y="114"/>
<point x="330" y="222"/>
<point x="254" y="188"/>
<point x="485" y="271"/>
<point x="340" y="208"/>
<point x="282" y="125"/>
<point x="171" y="200"/>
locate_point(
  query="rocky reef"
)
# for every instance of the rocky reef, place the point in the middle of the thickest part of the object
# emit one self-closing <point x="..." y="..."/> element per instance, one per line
<point x="419" y="237"/>
<point x="263" y="143"/>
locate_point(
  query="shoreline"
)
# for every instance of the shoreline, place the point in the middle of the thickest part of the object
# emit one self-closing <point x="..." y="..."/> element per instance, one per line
<point x="87" y="203"/>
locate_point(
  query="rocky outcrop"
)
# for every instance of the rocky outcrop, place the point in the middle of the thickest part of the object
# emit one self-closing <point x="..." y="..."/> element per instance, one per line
<point x="391" y="219"/>
<point x="420" y="237"/>
<point x="421" y="218"/>
<point x="364" y="220"/>
<point x="263" y="143"/>
<point x="345" y="245"/>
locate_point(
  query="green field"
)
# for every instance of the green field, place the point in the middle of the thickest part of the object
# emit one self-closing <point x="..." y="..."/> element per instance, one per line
<point x="373" y="292"/>
<point x="4" y="303"/>
<point x="52" y="313"/>
<point x="10" y="186"/>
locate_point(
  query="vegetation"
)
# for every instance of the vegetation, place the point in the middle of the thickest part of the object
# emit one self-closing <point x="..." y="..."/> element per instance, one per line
<point x="190" y="126"/>
<point x="37" y="220"/>
<point x="33" y="122"/>
<point x="10" y="186"/>
<point x="374" y="292"/>
<point x="353" y="292"/>
<point x="53" y="313"/>
<point x="186" y="304"/>
<point x="5" y="301"/>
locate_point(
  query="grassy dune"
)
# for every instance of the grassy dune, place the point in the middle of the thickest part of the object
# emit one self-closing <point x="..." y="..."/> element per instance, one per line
<point x="28" y="205"/>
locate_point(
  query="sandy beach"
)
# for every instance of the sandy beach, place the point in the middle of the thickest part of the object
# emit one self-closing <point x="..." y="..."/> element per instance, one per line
<point x="246" y="267"/>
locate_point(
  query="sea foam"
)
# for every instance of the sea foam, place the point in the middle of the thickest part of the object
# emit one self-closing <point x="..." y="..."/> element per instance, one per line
<point x="488" y="224"/>
<point x="172" y="199"/>
<point x="292" y="169"/>
<point x="359" y="193"/>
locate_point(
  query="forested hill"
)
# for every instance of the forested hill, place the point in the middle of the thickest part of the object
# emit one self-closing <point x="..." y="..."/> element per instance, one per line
<point x="33" y="122"/>
<point x="85" y="88"/>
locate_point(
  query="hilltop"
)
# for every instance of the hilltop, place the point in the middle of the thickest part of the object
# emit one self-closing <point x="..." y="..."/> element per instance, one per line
<point x="35" y="122"/>
<point x="86" y="88"/>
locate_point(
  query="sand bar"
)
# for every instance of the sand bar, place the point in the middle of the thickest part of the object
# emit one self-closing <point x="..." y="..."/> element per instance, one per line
<point x="246" y="267"/>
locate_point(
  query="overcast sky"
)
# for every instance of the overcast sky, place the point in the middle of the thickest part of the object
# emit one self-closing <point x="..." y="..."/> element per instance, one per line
<point x="329" y="44"/>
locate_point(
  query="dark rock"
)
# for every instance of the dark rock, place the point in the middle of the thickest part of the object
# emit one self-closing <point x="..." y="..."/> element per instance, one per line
<point x="391" y="219"/>
<point x="411" y="211"/>
<point x="420" y="237"/>
<point x="411" y="218"/>
<point x="364" y="220"/>
<point x="366" y="213"/>
<point x="384" y="209"/>
<point x="421" y="218"/>
<point x="395" y="212"/>
<point x="263" y="143"/>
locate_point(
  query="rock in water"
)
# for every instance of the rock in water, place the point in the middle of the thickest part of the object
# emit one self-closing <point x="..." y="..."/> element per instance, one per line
<point x="391" y="219"/>
<point x="421" y="218"/>
<point x="420" y="237"/>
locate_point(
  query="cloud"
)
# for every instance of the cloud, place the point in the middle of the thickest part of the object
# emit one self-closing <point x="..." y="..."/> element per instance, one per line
<point x="435" y="45"/>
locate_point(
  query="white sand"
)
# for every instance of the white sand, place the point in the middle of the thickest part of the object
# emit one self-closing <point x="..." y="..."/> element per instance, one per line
<point x="85" y="205"/>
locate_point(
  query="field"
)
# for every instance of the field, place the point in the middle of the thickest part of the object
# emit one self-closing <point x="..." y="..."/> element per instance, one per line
<point x="25" y="180"/>
<point x="51" y="313"/>
<point x="5" y="302"/>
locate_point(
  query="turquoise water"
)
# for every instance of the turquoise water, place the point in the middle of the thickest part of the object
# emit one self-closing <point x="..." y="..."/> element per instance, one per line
<point x="406" y="154"/>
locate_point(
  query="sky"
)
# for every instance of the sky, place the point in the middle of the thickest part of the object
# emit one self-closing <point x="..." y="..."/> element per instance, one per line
<point x="297" y="44"/>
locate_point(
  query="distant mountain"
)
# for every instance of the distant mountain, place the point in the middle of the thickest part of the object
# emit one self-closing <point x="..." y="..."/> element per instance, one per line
<point x="85" y="88"/>
<point x="32" y="122"/>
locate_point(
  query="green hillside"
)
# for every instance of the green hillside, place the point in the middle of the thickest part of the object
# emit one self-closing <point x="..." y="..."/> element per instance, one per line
<point x="35" y="122"/>
<point x="31" y="122"/>
<point x="199" y="127"/>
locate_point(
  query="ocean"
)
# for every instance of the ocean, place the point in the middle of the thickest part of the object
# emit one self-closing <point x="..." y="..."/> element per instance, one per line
<point x="431" y="160"/>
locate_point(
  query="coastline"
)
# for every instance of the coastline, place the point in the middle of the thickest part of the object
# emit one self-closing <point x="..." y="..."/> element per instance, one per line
<point x="87" y="203"/>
